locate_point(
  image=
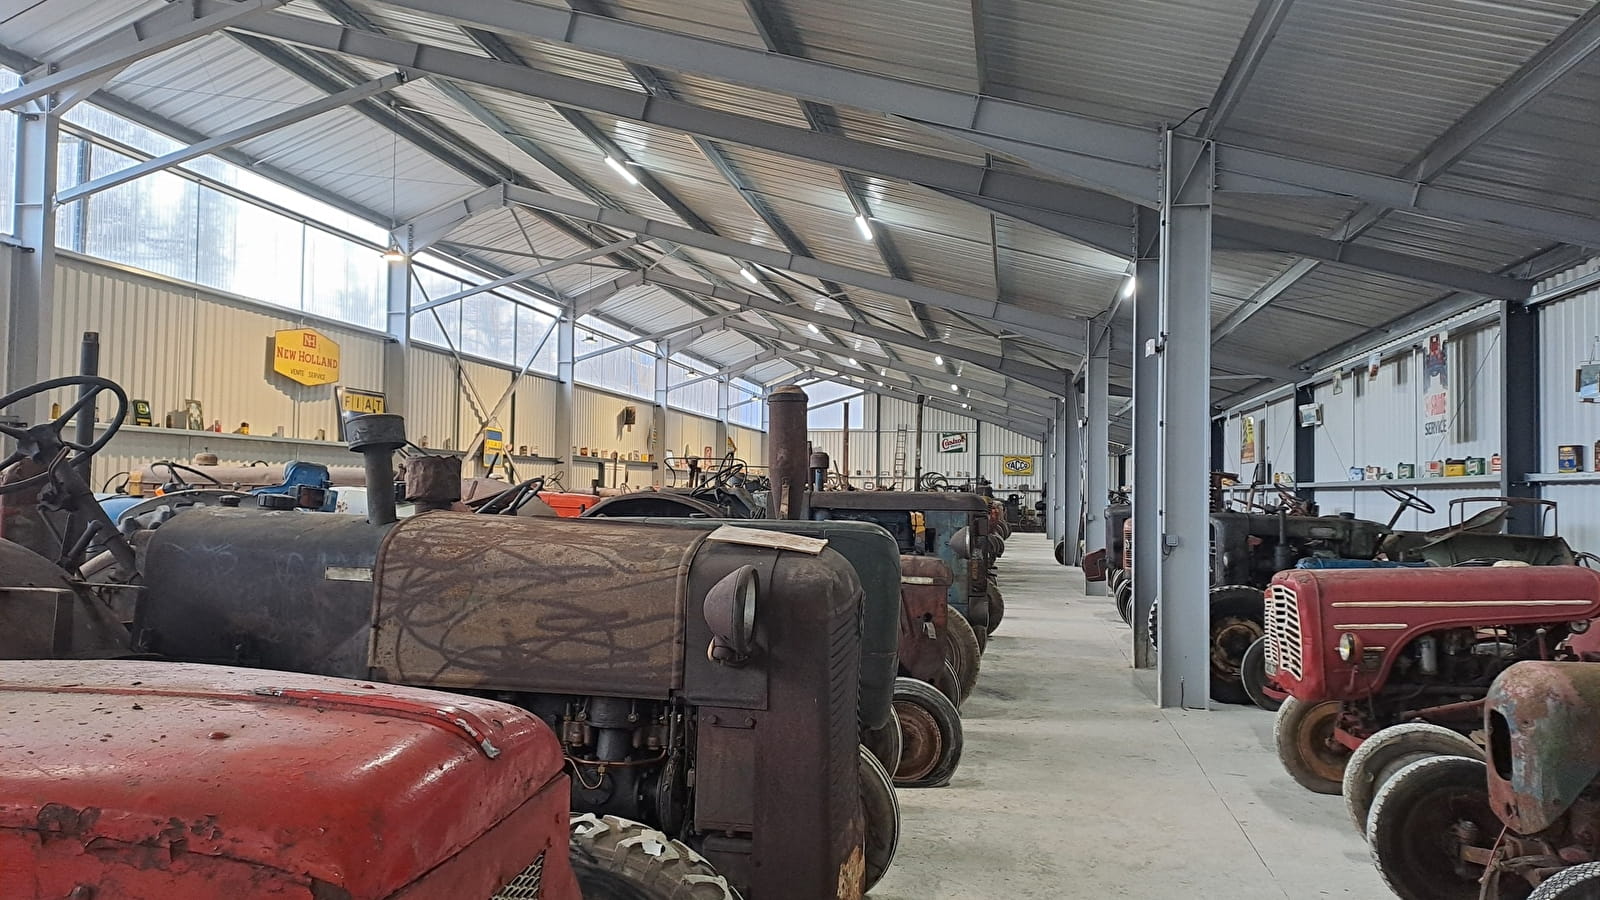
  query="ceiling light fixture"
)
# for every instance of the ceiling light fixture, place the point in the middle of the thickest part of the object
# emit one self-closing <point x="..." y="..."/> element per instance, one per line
<point x="938" y="360"/>
<point x="394" y="254"/>
<point x="621" y="169"/>
<point x="811" y="326"/>
<point x="1129" y="286"/>
<point x="852" y="361"/>
<point x="955" y="387"/>
<point x="864" y="226"/>
<point x="748" y="275"/>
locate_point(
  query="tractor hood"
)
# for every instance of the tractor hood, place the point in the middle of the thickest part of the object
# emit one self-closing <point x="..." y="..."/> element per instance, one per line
<point x="1542" y="718"/>
<point x="131" y="776"/>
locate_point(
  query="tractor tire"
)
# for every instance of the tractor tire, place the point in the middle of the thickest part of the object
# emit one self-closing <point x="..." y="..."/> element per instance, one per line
<point x="997" y="608"/>
<point x="1253" y="675"/>
<point x="1061" y="552"/>
<point x="947" y="684"/>
<point x="1123" y="595"/>
<point x="1381" y="756"/>
<point x="931" y="727"/>
<point x="1580" y="882"/>
<point x="619" y="859"/>
<point x="882" y="812"/>
<point x="884" y="743"/>
<point x="1303" y="734"/>
<point x="1412" y="826"/>
<point x="961" y="650"/>
<point x="1238" y="614"/>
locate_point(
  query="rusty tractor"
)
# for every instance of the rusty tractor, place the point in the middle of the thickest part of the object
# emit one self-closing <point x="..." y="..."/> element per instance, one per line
<point x="1359" y="650"/>
<point x="172" y="807"/>
<point x="1522" y="817"/>
<point x="680" y="669"/>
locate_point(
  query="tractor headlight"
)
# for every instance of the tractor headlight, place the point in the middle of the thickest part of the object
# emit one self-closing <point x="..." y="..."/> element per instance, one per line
<point x="1580" y="626"/>
<point x="1349" y="648"/>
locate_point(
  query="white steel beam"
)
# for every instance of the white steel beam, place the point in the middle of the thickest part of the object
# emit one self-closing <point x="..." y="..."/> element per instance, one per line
<point x="516" y="277"/>
<point x="232" y="138"/>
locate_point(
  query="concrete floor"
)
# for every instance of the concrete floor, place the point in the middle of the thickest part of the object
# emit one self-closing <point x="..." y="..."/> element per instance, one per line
<point x="1073" y="784"/>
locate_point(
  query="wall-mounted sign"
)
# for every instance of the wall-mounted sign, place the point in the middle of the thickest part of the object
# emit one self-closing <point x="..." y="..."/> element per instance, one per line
<point x="952" y="442"/>
<point x="1310" y="415"/>
<point x="305" y="356"/>
<point x="1247" y="440"/>
<point x="494" y="446"/>
<point x="1436" y="384"/>
<point x="1587" y="382"/>
<point x="1017" y="466"/>
<point x="354" y="402"/>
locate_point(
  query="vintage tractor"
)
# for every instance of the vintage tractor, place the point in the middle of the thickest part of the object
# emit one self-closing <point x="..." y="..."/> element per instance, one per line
<point x="172" y="806"/>
<point x="1525" y="819"/>
<point x="1357" y="650"/>
<point x="682" y="670"/>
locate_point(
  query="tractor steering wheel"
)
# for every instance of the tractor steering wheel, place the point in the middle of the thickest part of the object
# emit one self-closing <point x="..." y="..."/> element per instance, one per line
<point x="1407" y="500"/>
<point x="46" y="443"/>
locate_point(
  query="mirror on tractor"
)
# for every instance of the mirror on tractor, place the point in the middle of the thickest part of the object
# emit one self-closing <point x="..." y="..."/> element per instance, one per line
<point x="730" y="611"/>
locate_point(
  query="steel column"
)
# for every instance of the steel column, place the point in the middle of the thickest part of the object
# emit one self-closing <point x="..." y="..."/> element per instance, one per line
<point x="658" y="424"/>
<point x="1069" y="469"/>
<point x="1048" y="480"/>
<point x="1519" y="419"/>
<point x="566" y="351"/>
<point x="33" y="298"/>
<point x="1146" y="433"/>
<point x="397" y="322"/>
<point x="1305" y="446"/>
<point x="1188" y="176"/>
<point x="1096" y="449"/>
<point x="724" y="398"/>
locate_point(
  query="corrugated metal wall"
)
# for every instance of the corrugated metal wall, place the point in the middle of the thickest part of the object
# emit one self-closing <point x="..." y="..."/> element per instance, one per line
<point x="1275" y="433"/>
<point x="873" y="447"/>
<point x="1569" y="332"/>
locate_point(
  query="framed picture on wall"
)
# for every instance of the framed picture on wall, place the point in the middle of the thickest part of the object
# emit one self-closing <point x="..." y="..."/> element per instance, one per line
<point x="1586" y="380"/>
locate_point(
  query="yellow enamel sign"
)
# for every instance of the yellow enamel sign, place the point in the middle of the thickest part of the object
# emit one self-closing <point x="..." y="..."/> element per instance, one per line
<point x="1020" y="466"/>
<point x="305" y="356"/>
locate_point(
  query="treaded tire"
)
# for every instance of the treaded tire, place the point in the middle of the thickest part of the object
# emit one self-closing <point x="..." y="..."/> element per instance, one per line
<point x="960" y="641"/>
<point x="1253" y="676"/>
<point x="1580" y="882"/>
<point x="1061" y="552"/>
<point x="1302" y="735"/>
<point x="1383" y="755"/>
<point x="882" y="812"/>
<point x="931" y="728"/>
<point x="619" y="859"/>
<point x="1123" y="596"/>
<point x="1411" y="822"/>
<point x="884" y="743"/>
<point x="947" y="684"/>
<point x="1237" y="614"/>
<point x="997" y="609"/>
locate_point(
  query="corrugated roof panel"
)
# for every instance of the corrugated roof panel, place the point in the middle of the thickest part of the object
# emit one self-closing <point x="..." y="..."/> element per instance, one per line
<point x="1140" y="61"/>
<point x="928" y="41"/>
<point x="1371" y="83"/>
<point x="1042" y="271"/>
<point x="1283" y="337"/>
<point x="944" y="242"/>
<point x="740" y="100"/>
<point x="719" y="20"/>
<point x="41" y="28"/>
<point x="414" y="26"/>
<point x="903" y="135"/>
<point x="1349" y="296"/>
<point x="564" y="60"/>
<point x="1484" y="247"/>
<point x="1236" y="276"/>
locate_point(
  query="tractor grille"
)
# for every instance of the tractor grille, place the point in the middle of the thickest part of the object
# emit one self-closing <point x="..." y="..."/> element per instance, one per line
<point x="525" y="886"/>
<point x="1282" y="648"/>
<point x="844" y="680"/>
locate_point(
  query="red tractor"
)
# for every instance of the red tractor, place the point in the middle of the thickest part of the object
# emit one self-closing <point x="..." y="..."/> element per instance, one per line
<point x="1358" y="650"/>
<point x="1526" y="819"/>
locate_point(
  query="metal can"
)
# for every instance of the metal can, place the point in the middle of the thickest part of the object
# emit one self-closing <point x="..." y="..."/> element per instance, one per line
<point x="1569" y="458"/>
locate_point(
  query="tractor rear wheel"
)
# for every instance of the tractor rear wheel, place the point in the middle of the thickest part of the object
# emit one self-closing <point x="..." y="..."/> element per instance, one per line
<point x="619" y="859"/>
<point x="931" y="730"/>
<point x="1253" y="676"/>
<point x="884" y="743"/>
<point x="1304" y="735"/>
<point x="1061" y="552"/>
<point x="882" y="812"/>
<point x="1423" y="818"/>
<point x="947" y="684"/>
<point x="1580" y="882"/>
<point x="1384" y="754"/>
<point x="1124" y="600"/>
<point x="961" y="650"/>
<point x="997" y="608"/>
<point x="1237" y="614"/>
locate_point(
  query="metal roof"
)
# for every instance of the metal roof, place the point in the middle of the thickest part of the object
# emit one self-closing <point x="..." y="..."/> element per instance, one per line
<point x="1495" y="98"/>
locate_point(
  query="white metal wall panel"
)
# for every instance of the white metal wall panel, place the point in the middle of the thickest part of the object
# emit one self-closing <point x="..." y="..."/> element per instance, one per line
<point x="1378" y="422"/>
<point x="1375" y="505"/>
<point x="1275" y="424"/>
<point x="1569" y="332"/>
<point x="537" y="405"/>
<point x="596" y="423"/>
<point x="689" y="435"/>
<point x="489" y="382"/>
<point x="996" y="443"/>
<point x="751" y="444"/>
<point x="1577" y="520"/>
<point x="430" y="408"/>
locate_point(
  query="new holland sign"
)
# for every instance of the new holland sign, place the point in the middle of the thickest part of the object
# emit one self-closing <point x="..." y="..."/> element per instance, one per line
<point x="953" y="442"/>
<point x="305" y="356"/>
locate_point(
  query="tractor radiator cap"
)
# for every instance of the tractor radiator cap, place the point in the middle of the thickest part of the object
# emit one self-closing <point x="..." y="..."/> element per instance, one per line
<point x="377" y="431"/>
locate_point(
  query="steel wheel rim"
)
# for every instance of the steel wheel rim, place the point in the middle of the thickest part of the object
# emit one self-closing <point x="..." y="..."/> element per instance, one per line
<point x="921" y="741"/>
<point x="1229" y="633"/>
<point x="1428" y="846"/>
<point x="1313" y="738"/>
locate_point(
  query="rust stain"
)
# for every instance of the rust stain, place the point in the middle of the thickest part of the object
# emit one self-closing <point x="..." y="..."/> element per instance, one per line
<point x="60" y="820"/>
<point x="853" y="875"/>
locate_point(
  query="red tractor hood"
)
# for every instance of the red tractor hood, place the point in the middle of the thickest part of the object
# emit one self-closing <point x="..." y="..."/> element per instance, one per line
<point x="1309" y="611"/>
<point x="300" y="779"/>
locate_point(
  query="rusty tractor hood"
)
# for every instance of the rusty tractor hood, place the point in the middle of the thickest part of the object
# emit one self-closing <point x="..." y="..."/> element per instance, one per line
<point x="331" y="787"/>
<point x="1309" y="610"/>
<point x="1543" y="721"/>
<point x="924" y="583"/>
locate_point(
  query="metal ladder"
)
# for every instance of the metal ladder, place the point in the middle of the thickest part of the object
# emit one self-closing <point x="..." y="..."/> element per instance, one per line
<point x="900" y="436"/>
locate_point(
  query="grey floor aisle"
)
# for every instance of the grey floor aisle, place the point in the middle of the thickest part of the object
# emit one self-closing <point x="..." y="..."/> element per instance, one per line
<point x="1074" y="784"/>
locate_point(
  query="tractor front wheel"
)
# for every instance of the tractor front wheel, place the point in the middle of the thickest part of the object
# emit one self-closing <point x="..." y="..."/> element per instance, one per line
<point x="1422" y="820"/>
<point x="1580" y="882"/>
<point x="1123" y="595"/>
<point x="1237" y="612"/>
<point x="1381" y="756"/>
<point x="961" y="650"/>
<point x="882" y="812"/>
<point x="619" y="859"/>
<point x="1304" y="735"/>
<point x="930" y="729"/>
<point x="1253" y="676"/>
<point x="997" y="609"/>
<point x="884" y="743"/>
